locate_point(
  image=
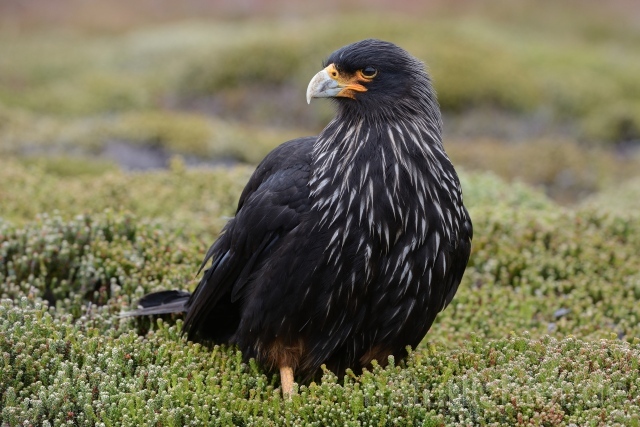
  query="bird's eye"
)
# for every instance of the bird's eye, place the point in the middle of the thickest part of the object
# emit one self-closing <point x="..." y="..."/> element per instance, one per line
<point x="369" y="72"/>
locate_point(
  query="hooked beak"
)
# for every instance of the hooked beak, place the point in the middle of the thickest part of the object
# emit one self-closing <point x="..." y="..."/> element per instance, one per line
<point x="329" y="83"/>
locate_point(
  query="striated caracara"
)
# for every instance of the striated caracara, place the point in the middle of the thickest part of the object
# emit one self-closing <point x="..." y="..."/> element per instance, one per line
<point x="346" y="245"/>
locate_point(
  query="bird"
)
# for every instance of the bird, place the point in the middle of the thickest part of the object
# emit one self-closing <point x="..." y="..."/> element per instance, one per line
<point x="346" y="245"/>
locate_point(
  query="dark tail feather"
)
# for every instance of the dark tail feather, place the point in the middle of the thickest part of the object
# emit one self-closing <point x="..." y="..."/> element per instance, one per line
<point x="163" y="302"/>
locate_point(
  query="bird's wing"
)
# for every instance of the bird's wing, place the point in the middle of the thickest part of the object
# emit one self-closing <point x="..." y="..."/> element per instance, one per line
<point x="269" y="207"/>
<point x="459" y="259"/>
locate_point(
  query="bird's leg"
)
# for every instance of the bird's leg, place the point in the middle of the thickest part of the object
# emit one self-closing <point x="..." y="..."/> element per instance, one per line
<point x="286" y="380"/>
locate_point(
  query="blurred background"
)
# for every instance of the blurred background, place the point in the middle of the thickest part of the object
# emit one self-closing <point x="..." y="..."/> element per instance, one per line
<point x="544" y="92"/>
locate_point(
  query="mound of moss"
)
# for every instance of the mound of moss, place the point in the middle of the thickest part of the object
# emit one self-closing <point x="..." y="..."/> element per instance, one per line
<point x="195" y="198"/>
<point x="623" y="198"/>
<point x="550" y="271"/>
<point x="99" y="261"/>
<point x="518" y="60"/>
<point x="200" y="138"/>
<point x="543" y="330"/>
<point x="93" y="371"/>
<point x="565" y="170"/>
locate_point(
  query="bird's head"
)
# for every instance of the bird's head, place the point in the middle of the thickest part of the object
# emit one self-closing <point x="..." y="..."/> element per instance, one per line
<point x="371" y="76"/>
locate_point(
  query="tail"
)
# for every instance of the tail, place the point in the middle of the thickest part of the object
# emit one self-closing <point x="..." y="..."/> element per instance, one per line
<point x="163" y="302"/>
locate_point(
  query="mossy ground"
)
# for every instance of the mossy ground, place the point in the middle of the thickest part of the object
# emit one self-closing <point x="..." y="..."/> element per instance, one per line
<point x="577" y="70"/>
<point x="219" y="90"/>
<point x="544" y="328"/>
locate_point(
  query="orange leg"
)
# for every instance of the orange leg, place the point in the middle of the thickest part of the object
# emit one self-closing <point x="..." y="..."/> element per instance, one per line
<point x="286" y="379"/>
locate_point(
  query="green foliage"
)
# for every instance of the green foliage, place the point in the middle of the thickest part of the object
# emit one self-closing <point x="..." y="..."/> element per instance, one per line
<point x="68" y="166"/>
<point x="96" y="371"/>
<point x="180" y="133"/>
<point x="70" y="75"/>
<point x="194" y="135"/>
<point x="197" y="197"/>
<point x="87" y="94"/>
<point x="516" y="62"/>
<point x="488" y="189"/>
<point x="265" y="62"/>
<point x="623" y="198"/>
<point x="469" y="73"/>
<point x="551" y="272"/>
<point x="620" y="121"/>
<point x="97" y="260"/>
<point x="565" y="170"/>
<point x="542" y="331"/>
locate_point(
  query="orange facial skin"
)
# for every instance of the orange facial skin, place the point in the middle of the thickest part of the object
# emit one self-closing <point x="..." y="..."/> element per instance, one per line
<point x="350" y="83"/>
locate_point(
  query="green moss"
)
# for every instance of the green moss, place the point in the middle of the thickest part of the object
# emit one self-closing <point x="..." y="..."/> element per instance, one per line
<point x="98" y="92"/>
<point x="88" y="259"/>
<point x="566" y="281"/>
<point x="69" y="166"/>
<point x="620" y="121"/>
<point x="264" y="62"/>
<point x="551" y="272"/>
<point x="489" y="190"/>
<point x="199" y="197"/>
<point x="469" y="74"/>
<point x="194" y="135"/>
<point x="520" y="61"/>
<point x="566" y="171"/>
<point x="181" y="133"/>
<point x="623" y="198"/>
<point x="58" y="371"/>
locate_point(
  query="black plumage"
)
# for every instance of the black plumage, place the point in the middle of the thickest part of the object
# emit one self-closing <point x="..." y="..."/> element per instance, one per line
<point x="346" y="245"/>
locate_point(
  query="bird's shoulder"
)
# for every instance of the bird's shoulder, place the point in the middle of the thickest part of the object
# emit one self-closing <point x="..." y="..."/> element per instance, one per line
<point x="285" y="166"/>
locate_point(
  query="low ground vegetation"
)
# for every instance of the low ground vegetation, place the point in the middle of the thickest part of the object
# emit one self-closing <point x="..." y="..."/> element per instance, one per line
<point x="543" y="330"/>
